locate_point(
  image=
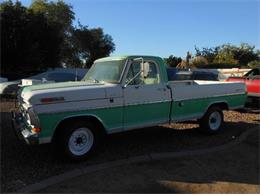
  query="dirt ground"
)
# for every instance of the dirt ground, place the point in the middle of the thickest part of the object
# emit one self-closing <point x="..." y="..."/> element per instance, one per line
<point x="22" y="165"/>
<point x="234" y="170"/>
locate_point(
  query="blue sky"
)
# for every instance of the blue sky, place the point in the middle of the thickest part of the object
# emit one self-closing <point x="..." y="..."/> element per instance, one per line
<point x="164" y="27"/>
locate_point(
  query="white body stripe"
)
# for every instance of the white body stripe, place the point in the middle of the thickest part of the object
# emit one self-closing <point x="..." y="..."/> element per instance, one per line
<point x="143" y="94"/>
<point x="73" y="93"/>
<point x="111" y="95"/>
<point x="186" y="90"/>
<point x="78" y="105"/>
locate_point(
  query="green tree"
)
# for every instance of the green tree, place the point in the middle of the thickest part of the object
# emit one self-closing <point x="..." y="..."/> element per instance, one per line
<point x="43" y="36"/>
<point x="172" y="61"/>
<point x="28" y="42"/>
<point x="229" y="54"/>
<point x="62" y="15"/>
<point x="225" y="58"/>
<point x="244" y="53"/>
<point x="56" y="12"/>
<point x="254" y="64"/>
<point x="92" y="44"/>
<point x="81" y="46"/>
<point x="208" y="53"/>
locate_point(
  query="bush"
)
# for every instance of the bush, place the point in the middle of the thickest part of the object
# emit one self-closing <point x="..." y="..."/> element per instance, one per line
<point x="254" y="64"/>
<point x="199" y="60"/>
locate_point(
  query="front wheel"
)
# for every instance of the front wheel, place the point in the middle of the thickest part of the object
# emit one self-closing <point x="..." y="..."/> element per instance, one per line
<point x="78" y="141"/>
<point x="212" y="121"/>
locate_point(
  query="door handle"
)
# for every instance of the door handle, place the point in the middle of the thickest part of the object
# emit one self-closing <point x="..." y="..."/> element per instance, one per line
<point x="111" y="100"/>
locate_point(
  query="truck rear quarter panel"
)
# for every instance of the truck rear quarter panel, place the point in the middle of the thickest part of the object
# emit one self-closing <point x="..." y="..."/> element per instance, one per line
<point x="191" y="99"/>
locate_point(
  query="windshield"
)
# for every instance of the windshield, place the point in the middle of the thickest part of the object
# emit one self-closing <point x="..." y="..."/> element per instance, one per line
<point x="107" y="71"/>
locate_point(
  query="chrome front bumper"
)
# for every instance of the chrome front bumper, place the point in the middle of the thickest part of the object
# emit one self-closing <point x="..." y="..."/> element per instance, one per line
<point x="22" y="130"/>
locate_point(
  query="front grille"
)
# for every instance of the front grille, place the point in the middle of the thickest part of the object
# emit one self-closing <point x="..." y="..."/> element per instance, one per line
<point x="25" y="114"/>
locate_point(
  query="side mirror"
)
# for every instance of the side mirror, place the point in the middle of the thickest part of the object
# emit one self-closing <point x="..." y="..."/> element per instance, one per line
<point x="145" y="68"/>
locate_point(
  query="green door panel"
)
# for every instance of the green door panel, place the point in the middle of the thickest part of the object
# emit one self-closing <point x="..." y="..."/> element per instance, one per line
<point x="138" y="115"/>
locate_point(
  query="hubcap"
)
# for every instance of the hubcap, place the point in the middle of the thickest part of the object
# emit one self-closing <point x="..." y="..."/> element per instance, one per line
<point x="81" y="141"/>
<point x="214" y="120"/>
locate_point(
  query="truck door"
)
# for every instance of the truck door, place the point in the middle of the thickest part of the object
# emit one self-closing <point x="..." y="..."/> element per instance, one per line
<point x="146" y="99"/>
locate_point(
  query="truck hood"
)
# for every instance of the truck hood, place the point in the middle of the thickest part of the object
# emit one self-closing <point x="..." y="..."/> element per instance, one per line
<point x="65" y="91"/>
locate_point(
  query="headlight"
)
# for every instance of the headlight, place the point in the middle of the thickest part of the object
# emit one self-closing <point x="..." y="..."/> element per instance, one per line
<point x="33" y="118"/>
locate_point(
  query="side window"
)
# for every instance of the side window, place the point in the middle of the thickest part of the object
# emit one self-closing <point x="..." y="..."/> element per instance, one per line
<point x="134" y="75"/>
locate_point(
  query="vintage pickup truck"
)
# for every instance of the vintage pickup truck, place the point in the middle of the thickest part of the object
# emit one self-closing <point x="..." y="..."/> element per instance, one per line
<point x="119" y="94"/>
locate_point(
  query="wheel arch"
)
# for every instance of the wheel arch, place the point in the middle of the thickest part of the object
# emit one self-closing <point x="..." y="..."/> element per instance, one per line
<point x="221" y="104"/>
<point x="67" y="120"/>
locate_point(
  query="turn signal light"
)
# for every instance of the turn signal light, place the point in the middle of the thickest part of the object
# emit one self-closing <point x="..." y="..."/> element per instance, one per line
<point x="36" y="129"/>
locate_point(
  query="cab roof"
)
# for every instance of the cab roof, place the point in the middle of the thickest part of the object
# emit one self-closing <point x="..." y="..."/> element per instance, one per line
<point x="126" y="57"/>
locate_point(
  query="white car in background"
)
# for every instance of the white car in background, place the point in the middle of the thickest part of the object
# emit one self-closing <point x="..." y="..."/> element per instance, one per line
<point x="3" y="79"/>
<point x="50" y="76"/>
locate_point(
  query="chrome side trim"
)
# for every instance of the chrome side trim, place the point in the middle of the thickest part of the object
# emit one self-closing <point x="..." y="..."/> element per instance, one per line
<point x="144" y="103"/>
<point x="214" y="96"/>
<point x="105" y="107"/>
<point x="65" y="102"/>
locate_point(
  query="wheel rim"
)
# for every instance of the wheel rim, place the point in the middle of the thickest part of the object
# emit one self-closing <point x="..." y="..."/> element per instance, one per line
<point x="215" y="120"/>
<point x="81" y="141"/>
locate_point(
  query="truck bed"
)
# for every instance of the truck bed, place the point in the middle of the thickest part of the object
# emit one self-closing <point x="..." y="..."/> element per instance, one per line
<point x="191" y="99"/>
<point x="183" y="90"/>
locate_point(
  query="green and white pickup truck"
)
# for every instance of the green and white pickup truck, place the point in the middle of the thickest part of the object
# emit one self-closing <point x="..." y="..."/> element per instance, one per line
<point x="119" y="94"/>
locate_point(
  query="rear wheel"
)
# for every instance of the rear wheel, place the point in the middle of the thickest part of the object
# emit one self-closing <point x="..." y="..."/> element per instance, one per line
<point x="212" y="121"/>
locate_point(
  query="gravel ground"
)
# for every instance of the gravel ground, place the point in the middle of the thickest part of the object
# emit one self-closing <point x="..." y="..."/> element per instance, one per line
<point x="22" y="165"/>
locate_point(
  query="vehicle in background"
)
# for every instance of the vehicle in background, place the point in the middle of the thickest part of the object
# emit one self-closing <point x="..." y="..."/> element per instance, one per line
<point x="51" y="76"/>
<point x="252" y="81"/>
<point x="3" y="79"/>
<point x="59" y="75"/>
<point x="8" y="89"/>
<point x="175" y="74"/>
